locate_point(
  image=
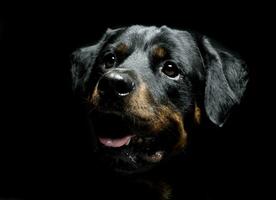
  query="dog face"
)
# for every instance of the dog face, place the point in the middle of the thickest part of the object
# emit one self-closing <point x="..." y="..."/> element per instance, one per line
<point x="146" y="87"/>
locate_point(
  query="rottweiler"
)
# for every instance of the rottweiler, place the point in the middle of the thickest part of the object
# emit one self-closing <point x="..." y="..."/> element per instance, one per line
<point x="146" y="89"/>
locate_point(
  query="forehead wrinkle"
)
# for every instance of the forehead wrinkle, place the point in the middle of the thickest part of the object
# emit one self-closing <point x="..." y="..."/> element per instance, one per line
<point x="146" y="32"/>
<point x="162" y="39"/>
<point x="138" y="36"/>
<point x="137" y="59"/>
<point x="150" y="33"/>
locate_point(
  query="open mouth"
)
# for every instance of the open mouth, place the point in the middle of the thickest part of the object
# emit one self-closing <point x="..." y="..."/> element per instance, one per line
<point x="126" y="142"/>
<point x="118" y="142"/>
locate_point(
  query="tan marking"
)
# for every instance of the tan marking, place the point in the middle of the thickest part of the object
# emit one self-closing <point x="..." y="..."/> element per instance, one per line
<point x="159" y="118"/>
<point x="162" y="119"/>
<point x="197" y="114"/>
<point x="159" y="52"/>
<point x="121" y="49"/>
<point x="95" y="97"/>
<point x="165" y="190"/>
<point x="172" y="117"/>
<point x="182" y="140"/>
<point x="140" y="104"/>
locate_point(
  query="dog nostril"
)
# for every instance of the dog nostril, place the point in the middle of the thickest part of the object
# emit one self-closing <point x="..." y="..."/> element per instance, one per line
<point x="123" y="87"/>
<point x="118" y="84"/>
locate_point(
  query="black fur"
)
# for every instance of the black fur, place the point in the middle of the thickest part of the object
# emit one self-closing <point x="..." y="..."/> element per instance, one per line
<point x="210" y="76"/>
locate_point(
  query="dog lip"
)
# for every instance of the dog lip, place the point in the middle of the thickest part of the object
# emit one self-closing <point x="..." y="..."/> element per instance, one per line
<point x="154" y="158"/>
<point x="115" y="143"/>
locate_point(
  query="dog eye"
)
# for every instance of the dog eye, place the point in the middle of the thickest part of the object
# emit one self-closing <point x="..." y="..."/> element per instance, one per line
<point x="109" y="60"/>
<point x="171" y="70"/>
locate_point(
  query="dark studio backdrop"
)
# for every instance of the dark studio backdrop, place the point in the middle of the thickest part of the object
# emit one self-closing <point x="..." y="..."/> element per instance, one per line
<point x="44" y="144"/>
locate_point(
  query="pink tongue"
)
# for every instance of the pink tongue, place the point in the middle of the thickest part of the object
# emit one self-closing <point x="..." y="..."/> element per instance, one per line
<point x="109" y="142"/>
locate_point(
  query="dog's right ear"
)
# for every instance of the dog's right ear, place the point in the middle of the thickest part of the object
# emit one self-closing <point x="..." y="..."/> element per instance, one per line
<point x="83" y="60"/>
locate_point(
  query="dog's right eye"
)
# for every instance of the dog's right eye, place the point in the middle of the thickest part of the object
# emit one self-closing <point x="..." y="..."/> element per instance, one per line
<point x="109" y="60"/>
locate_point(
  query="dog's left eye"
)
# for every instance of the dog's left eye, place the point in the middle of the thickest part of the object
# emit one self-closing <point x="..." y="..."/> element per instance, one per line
<point x="109" y="60"/>
<point x="171" y="70"/>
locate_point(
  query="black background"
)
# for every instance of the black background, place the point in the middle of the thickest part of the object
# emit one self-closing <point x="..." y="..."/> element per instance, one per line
<point x="43" y="144"/>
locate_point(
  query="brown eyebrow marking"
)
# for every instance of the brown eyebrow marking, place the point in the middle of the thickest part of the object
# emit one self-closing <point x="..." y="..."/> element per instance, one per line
<point x="197" y="114"/>
<point x="159" y="52"/>
<point x="122" y="48"/>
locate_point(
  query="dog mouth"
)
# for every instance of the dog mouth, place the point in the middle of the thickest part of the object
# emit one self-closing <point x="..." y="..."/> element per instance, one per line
<point x="118" y="142"/>
<point x="125" y="143"/>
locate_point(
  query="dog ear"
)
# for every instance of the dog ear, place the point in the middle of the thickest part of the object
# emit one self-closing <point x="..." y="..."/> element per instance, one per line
<point x="226" y="80"/>
<point x="83" y="60"/>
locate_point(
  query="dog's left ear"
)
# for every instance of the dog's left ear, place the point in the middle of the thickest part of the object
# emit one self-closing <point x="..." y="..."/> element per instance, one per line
<point x="225" y="83"/>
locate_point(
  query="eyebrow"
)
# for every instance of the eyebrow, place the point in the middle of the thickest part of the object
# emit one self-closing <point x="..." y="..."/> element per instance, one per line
<point x="159" y="52"/>
<point x="121" y="48"/>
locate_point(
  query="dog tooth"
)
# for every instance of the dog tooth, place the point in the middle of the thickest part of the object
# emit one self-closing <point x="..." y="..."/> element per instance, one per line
<point x="159" y="154"/>
<point x="140" y="140"/>
<point x="127" y="143"/>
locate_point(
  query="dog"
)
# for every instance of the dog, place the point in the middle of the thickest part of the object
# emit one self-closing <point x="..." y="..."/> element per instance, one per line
<point x="146" y="89"/>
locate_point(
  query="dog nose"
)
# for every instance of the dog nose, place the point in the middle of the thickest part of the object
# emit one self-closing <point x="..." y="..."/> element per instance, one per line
<point x="114" y="83"/>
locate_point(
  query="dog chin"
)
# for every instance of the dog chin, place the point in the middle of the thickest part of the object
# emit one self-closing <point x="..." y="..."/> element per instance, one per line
<point x="128" y="160"/>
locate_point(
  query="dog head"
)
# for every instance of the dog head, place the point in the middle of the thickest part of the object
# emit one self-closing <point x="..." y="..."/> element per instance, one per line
<point x="146" y="86"/>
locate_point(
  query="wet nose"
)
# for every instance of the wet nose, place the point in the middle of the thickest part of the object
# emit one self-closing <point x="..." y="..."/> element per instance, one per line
<point x="115" y="83"/>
